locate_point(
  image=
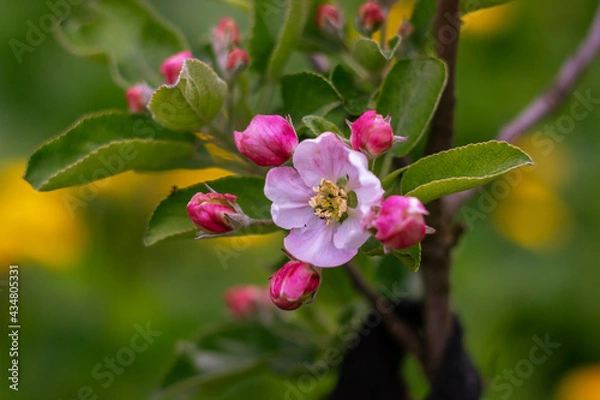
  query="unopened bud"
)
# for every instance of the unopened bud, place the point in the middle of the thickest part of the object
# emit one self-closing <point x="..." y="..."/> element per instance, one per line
<point x="294" y="284"/>
<point x="269" y="140"/>
<point x="213" y="212"/>
<point x="237" y="60"/>
<point x="171" y="67"/>
<point x="138" y="97"/>
<point x="370" y="18"/>
<point x="225" y="35"/>
<point x="372" y="134"/>
<point x="329" y="19"/>
<point x="246" y="301"/>
<point x="399" y="223"/>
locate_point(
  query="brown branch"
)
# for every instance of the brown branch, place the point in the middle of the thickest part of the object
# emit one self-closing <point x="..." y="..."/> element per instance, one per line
<point x="568" y="76"/>
<point x="436" y="248"/>
<point x="403" y="334"/>
<point x="544" y="104"/>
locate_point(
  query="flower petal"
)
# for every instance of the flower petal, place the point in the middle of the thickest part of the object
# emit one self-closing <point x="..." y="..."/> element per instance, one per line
<point x="290" y="198"/>
<point x="350" y="234"/>
<point x="325" y="157"/>
<point x="363" y="182"/>
<point x="314" y="245"/>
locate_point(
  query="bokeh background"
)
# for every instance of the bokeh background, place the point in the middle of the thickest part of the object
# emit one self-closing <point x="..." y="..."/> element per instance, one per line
<point x="526" y="267"/>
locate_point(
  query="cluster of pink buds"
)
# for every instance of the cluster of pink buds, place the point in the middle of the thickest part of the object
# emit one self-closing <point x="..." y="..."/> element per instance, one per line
<point x="329" y="195"/>
<point x="225" y="43"/>
<point x="370" y="18"/>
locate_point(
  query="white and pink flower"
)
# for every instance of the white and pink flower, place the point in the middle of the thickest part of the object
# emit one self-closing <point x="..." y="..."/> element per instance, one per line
<point x="322" y="200"/>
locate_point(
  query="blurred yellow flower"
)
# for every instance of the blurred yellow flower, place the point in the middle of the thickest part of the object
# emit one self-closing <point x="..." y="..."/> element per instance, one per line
<point x="489" y="21"/>
<point x="36" y="227"/>
<point x="533" y="215"/>
<point x="581" y="384"/>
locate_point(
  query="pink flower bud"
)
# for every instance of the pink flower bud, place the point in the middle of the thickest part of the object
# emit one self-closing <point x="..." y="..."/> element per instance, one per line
<point x="138" y="97"/>
<point x="269" y="140"/>
<point x="329" y="19"/>
<point x="399" y="223"/>
<point x="372" y="134"/>
<point x="370" y="18"/>
<point x="225" y="35"/>
<point x="245" y="301"/>
<point x="171" y="67"/>
<point x="294" y="284"/>
<point x="237" y="60"/>
<point x="212" y="212"/>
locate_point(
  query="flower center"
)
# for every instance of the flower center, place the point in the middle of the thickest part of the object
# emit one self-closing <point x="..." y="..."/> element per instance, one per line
<point x="331" y="201"/>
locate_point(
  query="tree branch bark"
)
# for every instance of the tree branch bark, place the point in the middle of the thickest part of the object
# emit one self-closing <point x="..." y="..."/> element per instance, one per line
<point x="436" y="261"/>
<point x="403" y="334"/>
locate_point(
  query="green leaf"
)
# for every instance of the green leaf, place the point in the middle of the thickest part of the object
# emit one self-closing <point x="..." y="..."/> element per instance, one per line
<point x="109" y="143"/>
<point x="356" y="100"/>
<point x="126" y="34"/>
<point x="275" y="33"/>
<point x="410" y="94"/>
<point x="191" y="103"/>
<point x="467" y="6"/>
<point x="368" y="54"/>
<point x="461" y="168"/>
<point x="170" y="219"/>
<point x="306" y="93"/>
<point x="422" y="21"/>
<point x="221" y="357"/>
<point x="318" y="125"/>
<point x="410" y="257"/>
<point x="243" y="5"/>
<point x="297" y="12"/>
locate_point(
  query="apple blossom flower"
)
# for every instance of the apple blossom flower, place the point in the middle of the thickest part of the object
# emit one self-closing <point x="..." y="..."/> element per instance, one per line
<point x="171" y="67"/>
<point x="294" y="284"/>
<point x="370" y="18"/>
<point x="269" y="140"/>
<point x="322" y="200"/>
<point x="399" y="223"/>
<point x="372" y="134"/>
<point x="138" y="97"/>
<point x="212" y="212"/>
<point x="245" y="301"/>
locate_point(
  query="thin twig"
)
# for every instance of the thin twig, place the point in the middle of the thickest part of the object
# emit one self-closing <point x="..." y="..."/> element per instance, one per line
<point x="404" y="335"/>
<point x="568" y="76"/>
<point x="436" y="259"/>
<point x="544" y="104"/>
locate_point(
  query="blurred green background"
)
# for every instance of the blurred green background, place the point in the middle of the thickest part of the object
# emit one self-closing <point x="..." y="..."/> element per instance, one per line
<point x="528" y="267"/>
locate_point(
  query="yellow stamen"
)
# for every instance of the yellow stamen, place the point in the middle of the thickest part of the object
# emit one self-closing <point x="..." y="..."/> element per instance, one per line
<point x="331" y="201"/>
